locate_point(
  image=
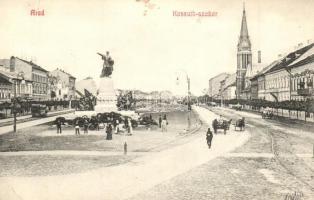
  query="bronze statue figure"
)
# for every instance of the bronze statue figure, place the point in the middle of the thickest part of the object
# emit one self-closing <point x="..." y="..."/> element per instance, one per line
<point x="107" y="66"/>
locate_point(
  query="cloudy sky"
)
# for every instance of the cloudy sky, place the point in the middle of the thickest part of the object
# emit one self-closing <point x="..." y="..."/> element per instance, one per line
<point x="150" y="46"/>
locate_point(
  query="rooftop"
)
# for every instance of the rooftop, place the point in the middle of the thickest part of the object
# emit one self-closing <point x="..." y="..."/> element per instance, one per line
<point x="35" y="66"/>
<point x="290" y="58"/>
<point x="61" y="70"/>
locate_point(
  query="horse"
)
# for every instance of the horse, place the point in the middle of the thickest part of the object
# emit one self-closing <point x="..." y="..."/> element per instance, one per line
<point x="240" y="123"/>
<point x="224" y="124"/>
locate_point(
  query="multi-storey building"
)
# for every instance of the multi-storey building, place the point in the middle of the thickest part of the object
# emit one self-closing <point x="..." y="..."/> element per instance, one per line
<point x="258" y="83"/>
<point x="31" y="72"/>
<point x="302" y="78"/>
<point x="288" y="78"/>
<point x="214" y="85"/>
<point x="62" y="85"/>
<point x="13" y="83"/>
<point x="279" y="78"/>
<point x="228" y="87"/>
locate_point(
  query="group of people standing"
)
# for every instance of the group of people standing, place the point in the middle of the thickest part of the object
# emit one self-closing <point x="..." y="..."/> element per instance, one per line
<point x="109" y="128"/>
<point x="77" y="127"/>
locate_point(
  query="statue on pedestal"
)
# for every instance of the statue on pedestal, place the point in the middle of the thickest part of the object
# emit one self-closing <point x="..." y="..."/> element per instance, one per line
<point x="106" y="96"/>
<point x="107" y="66"/>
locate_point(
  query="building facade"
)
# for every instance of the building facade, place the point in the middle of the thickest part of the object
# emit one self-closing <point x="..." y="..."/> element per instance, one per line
<point x="288" y="78"/>
<point x="288" y="71"/>
<point x="13" y="85"/>
<point x="214" y="85"/>
<point x="36" y="78"/>
<point x="244" y="57"/>
<point x="62" y="85"/>
<point x="302" y="78"/>
<point x="228" y="87"/>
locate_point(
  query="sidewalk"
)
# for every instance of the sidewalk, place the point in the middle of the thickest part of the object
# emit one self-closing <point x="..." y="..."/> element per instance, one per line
<point x="9" y="128"/>
<point x="124" y="181"/>
<point x="10" y="119"/>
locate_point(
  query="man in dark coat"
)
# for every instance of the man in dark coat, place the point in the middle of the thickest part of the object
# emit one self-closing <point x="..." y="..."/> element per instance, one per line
<point x="215" y="124"/>
<point x="160" y="120"/>
<point x="109" y="132"/>
<point x="59" y="128"/>
<point x="209" y="138"/>
<point x="85" y="127"/>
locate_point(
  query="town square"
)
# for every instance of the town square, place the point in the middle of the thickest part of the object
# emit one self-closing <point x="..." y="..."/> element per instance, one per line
<point x="154" y="99"/>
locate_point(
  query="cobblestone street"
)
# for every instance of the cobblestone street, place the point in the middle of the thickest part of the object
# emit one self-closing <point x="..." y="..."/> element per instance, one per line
<point x="273" y="164"/>
<point x="125" y="180"/>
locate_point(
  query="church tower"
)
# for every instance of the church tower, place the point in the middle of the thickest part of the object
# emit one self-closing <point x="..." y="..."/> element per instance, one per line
<point x="244" y="56"/>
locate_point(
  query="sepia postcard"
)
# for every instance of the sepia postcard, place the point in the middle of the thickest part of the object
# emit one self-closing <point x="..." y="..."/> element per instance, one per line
<point x="156" y="100"/>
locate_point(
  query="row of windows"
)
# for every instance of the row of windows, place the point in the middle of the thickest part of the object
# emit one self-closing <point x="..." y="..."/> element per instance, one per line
<point x="278" y="82"/>
<point x="40" y="89"/>
<point x="5" y="94"/>
<point x="281" y="97"/>
<point x="39" y="78"/>
<point x="296" y="82"/>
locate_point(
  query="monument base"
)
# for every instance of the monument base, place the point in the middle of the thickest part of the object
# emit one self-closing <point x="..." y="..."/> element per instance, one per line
<point x="106" y="98"/>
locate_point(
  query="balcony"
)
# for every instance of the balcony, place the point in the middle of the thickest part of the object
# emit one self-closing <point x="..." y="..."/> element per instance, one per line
<point x="306" y="92"/>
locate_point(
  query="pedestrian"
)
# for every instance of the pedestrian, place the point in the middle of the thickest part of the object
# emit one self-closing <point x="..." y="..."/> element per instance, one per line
<point x="77" y="128"/>
<point x="126" y="124"/>
<point x="85" y="126"/>
<point x="97" y="124"/>
<point x="116" y="126"/>
<point x="160" y="120"/>
<point x="215" y="124"/>
<point x="109" y="132"/>
<point x="59" y="128"/>
<point x="209" y="138"/>
<point x="130" y="126"/>
<point x="164" y="124"/>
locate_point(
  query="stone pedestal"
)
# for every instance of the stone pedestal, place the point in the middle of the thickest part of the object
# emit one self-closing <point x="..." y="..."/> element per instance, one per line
<point x="106" y="98"/>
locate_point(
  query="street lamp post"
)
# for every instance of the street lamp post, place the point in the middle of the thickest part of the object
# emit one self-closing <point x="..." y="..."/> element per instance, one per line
<point x="189" y="93"/>
<point x="188" y="88"/>
<point x="16" y="105"/>
<point x="290" y="85"/>
<point x="14" y="108"/>
<point x="188" y="97"/>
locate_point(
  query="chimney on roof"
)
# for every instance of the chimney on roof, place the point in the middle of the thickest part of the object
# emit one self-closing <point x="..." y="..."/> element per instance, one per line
<point x="300" y="44"/>
<point x="259" y="60"/>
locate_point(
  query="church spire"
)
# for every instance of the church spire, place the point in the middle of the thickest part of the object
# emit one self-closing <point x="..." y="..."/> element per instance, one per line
<point x="244" y="59"/>
<point x="244" y="31"/>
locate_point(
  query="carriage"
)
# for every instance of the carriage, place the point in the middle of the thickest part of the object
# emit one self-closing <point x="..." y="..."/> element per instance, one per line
<point x="221" y="124"/>
<point x="267" y="114"/>
<point x="240" y="123"/>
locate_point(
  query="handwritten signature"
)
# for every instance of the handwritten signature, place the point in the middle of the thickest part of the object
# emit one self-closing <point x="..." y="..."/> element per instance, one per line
<point x="294" y="196"/>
